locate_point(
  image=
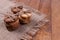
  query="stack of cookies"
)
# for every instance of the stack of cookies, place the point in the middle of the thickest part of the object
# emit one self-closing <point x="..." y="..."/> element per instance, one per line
<point x="19" y="16"/>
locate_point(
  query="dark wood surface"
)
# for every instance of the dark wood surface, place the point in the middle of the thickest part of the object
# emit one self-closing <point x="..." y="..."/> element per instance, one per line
<point x="44" y="6"/>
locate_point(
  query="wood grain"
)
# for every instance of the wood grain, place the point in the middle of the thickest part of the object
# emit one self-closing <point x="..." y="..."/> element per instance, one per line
<point x="56" y="19"/>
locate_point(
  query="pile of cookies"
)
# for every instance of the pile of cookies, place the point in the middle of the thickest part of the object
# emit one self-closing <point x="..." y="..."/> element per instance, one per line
<point x="20" y="17"/>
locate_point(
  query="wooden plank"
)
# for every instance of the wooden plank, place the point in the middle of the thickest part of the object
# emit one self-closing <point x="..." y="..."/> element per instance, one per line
<point x="45" y="6"/>
<point x="55" y="19"/>
<point x="43" y="34"/>
<point x="34" y="4"/>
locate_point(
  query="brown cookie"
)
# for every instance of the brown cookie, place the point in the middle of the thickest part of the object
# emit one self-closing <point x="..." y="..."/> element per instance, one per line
<point x="12" y="22"/>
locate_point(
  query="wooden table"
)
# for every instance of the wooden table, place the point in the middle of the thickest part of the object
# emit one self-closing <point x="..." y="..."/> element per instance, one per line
<point x="44" y="6"/>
